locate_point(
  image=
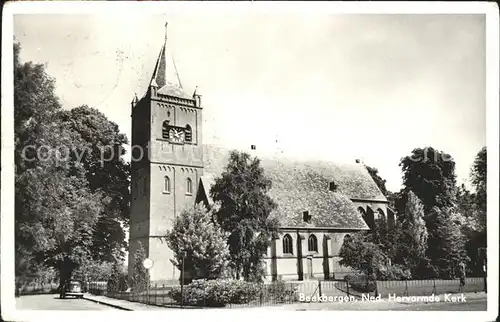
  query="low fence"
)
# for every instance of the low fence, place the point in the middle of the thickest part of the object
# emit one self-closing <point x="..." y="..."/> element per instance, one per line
<point x="36" y="288"/>
<point x="159" y="295"/>
<point x="429" y="287"/>
<point x="304" y="291"/>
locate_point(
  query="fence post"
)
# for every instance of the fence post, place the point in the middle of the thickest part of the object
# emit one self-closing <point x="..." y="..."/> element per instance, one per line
<point x="148" y="292"/>
<point x="434" y="288"/>
<point x="347" y="286"/>
<point x="406" y="288"/>
<point x="319" y="288"/>
<point x="262" y="288"/>
<point x="163" y="294"/>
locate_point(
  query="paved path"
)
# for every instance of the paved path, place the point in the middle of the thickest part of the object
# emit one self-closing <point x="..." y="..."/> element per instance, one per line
<point x="473" y="302"/>
<point x="53" y="302"/>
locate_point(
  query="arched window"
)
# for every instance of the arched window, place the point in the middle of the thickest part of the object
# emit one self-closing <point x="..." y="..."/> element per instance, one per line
<point x="367" y="216"/>
<point x="164" y="130"/>
<point x="312" y="243"/>
<point x="189" y="186"/>
<point x="381" y="215"/>
<point x="287" y="244"/>
<point x="166" y="187"/>
<point x="347" y="239"/>
<point x="189" y="133"/>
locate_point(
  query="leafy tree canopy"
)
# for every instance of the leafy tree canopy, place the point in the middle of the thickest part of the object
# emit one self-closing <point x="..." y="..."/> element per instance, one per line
<point x="244" y="209"/>
<point x="430" y="174"/>
<point x="203" y="241"/>
<point x="378" y="180"/>
<point x="59" y="204"/>
<point x="479" y="176"/>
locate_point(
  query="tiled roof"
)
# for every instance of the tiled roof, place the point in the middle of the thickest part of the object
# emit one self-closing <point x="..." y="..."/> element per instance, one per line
<point x="207" y="181"/>
<point x="304" y="186"/>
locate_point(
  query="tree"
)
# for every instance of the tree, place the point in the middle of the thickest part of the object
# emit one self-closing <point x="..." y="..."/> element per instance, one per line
<point x="363" y="256"/>
<point x="430" y="174"/>
<point x="55" y="212"/>
<point x="107" y="172"/>
<point x="58" y="208"/>
<point x="446" y="242"/>
<point x="91" y="270"/>
<point x="244" y="209"/>
<point x="473" y="227"/>
<point x="479" y="176"/>
<point x="34" y="93"/>
<point x="203" y="241"/>
<point x="140" y="275"/>
<point x="116" y="280"/>
<point x="378" y="180"/>
<point x="414" y="237"/>
<point x="391" y="248"/>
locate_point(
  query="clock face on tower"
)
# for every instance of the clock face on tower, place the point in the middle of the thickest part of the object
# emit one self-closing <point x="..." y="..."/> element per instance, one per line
<point x="176" y="135"/>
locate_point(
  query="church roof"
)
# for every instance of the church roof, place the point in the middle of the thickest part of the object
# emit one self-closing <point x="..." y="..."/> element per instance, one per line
<point x="299" y="186"/>
<point x="165" y="75"/>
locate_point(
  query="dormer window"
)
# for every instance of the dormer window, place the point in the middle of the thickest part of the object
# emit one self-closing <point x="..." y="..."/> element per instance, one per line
<point x="333" y="186"/>
<point x="306" y="217"/>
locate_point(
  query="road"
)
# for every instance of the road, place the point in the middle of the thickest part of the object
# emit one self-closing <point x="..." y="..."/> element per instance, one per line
<point x="53" y="302"/>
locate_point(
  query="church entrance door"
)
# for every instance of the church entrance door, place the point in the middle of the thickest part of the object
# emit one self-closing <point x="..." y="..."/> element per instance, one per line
<point x="310" y="273"/>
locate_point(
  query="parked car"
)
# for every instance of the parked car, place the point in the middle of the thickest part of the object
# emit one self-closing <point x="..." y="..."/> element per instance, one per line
<point x="72" y="288"/>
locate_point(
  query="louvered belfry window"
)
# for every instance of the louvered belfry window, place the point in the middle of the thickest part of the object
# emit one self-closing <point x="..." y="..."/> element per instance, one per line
<point x="164" y="131"/>
<point x="189" y="133"/>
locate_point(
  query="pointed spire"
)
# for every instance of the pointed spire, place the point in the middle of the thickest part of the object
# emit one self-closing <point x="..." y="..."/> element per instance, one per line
<point x="166" y="24"/>
<point x="194" y="93"/>
<point x="165" y="75"/>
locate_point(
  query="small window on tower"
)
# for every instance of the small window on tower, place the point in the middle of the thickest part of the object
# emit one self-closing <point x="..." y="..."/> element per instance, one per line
<point x="189" y="186"/>
<point x="189" y="133"/>
<point x="166" y="187"/>
<point x="306" y="217"/>
<point x="164" y="130"/>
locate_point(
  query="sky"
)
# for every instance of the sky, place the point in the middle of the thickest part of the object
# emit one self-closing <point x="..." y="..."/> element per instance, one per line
<point x="324" y="86"/>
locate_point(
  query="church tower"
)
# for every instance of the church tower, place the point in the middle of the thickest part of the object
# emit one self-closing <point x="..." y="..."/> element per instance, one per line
<point x="167" y="163"/>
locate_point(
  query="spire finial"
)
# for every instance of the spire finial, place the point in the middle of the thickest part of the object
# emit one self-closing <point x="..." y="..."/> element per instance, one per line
<point x="166" y="24"/>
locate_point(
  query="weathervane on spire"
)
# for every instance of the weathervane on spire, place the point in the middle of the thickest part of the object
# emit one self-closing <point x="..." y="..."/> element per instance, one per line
<point x="166" y="23"/>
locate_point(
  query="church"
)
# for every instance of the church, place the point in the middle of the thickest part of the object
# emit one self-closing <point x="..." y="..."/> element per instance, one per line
<point x="319" y="203"/>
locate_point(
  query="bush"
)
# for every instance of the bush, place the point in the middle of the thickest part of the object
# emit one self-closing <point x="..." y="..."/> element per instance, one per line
<point x="281" y="291"/>
<point x="395" y="272"/>
<point x="216" y="293"/>
<point x="361" y="283"/>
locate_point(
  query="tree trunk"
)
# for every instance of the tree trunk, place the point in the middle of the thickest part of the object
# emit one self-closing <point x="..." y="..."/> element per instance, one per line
<point x="65" y="271"/>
